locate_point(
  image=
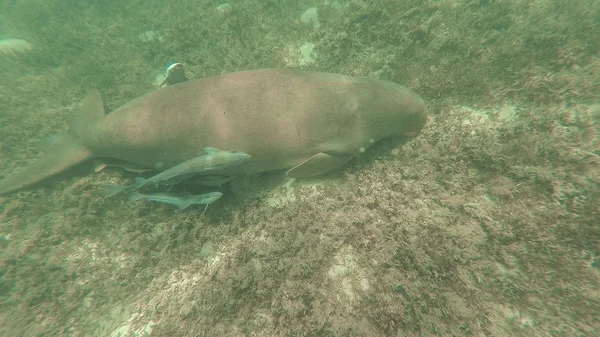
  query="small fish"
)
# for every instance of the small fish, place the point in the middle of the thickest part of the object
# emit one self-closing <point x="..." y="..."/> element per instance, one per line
<point x="214" y="161"/>
<point x="129" y="167"/>
<point x="182" y="201"/>
<point x="175" y="74"/>
<point x="212" y="181"/>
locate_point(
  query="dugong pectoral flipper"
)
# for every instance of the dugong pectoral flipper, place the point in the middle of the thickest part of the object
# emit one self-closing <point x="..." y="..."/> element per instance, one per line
<point x="318" y="164"/>
<point x="65" y="153"/>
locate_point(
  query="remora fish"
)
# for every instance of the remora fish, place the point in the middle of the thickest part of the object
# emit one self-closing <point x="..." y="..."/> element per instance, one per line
<point x="213" y="162"/>
<point x="129" y="167"/>
<point x="175" y="74"/>
<point x="213" y="180"/>
<point x="306" y="122"/>
<point x="182" y="201"/>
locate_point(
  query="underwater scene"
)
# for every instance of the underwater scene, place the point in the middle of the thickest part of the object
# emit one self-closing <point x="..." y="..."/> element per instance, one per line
<point x="299" y="168"/>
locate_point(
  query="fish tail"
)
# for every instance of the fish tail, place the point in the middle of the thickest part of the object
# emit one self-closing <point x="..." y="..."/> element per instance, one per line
<point x="139" y="182"/>
<point x="113" y="190"/>
<point x="135" y="196"/>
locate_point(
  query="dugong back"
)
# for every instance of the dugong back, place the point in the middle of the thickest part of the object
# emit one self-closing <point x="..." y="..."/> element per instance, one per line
<point x="280" y="117"/>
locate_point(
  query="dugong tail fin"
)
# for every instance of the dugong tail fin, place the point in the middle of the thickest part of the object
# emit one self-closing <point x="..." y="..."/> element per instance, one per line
<point x="65" y="153"/>
<point x="90" y="114"/>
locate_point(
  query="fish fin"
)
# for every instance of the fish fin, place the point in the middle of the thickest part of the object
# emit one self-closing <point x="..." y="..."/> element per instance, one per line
<point x="162" y="82"/>
<point x="183" y="206"/>
<point x="318" y="164"/>
<point x="65" y="153"/>
<point x="211" y="150"/>
<point x="135" y="196"/>
<point x="139" y="182"/>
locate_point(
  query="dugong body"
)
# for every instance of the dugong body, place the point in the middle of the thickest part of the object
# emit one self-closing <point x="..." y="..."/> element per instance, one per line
<point x="307" y="122"/>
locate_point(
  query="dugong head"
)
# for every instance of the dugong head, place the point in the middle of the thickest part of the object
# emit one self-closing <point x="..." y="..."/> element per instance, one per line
<point x="416" y="116"/>
<point x="403" y="112"/>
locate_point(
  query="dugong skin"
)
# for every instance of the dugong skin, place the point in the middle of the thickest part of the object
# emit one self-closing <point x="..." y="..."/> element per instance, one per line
<point x="283" y="118"/>
<point x="280" y="117"/>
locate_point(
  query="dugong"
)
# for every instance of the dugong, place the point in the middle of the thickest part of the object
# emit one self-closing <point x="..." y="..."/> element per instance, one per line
<point x="306" y="122"/>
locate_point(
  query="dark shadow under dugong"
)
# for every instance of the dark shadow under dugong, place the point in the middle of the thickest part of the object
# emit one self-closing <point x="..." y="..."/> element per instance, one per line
<point x="307" y="122"/>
